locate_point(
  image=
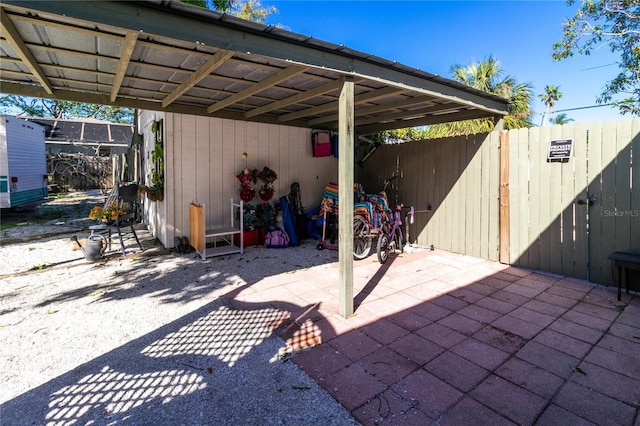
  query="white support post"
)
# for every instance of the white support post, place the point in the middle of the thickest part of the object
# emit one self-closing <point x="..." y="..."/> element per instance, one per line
<point x="345" y="204"/>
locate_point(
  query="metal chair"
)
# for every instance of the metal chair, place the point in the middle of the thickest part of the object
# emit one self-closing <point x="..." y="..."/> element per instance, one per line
<point x="127" y="199"/>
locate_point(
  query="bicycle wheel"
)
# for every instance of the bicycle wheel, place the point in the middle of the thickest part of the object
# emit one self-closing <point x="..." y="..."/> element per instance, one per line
<point x="397" y="238"/>
<point x="361" y="238"/>
<point x="384" y="248"/>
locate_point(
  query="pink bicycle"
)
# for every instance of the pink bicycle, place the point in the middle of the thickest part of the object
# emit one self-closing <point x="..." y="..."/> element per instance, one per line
<point x="374" y="220"/>
<point x="391" y="239"/>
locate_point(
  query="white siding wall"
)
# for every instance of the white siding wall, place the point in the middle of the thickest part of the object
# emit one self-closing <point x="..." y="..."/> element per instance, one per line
<point x="203" y="156"/>
<point x="23" y="156"/>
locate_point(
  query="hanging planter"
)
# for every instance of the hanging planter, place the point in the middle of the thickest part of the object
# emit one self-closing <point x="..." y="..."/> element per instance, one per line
<point x="267" y="176"/>
<point x="248" y="177"/>
<point x="153" y="193"/>
<point x="266" y="193"/>
<point x="247" y="194"/>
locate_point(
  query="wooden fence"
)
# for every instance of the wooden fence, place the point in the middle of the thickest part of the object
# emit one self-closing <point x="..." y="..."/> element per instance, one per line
<point x="565" y="217"/>
<point x="453" y="185"/>
<point x="77" y="171"/>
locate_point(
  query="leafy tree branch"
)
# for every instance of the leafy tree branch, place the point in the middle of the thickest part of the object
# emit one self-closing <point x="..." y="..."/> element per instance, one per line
<point x="615" y="23"/>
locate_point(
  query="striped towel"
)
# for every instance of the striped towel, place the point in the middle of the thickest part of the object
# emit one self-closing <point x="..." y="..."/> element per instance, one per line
<point x="330" y="199"/>
<point x="363" y="209"/>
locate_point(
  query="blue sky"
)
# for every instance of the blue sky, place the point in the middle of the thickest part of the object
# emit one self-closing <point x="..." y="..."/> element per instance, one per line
<point x="434" y="35"/>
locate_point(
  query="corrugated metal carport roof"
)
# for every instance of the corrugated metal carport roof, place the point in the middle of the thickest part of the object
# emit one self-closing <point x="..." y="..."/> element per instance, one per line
<point x="169" y="56"/>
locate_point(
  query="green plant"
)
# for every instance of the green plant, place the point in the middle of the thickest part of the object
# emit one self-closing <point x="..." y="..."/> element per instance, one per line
<point x="155" y="192"/>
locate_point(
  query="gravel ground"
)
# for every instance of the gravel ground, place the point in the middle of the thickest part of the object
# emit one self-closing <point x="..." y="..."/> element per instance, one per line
<point x="146" y="338"/>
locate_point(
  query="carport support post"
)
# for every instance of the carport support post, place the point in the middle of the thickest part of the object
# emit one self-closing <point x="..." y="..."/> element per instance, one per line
<point x="345" y="198"/>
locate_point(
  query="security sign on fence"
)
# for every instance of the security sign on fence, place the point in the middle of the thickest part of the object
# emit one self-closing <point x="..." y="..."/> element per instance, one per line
<point x="560" y="149"/>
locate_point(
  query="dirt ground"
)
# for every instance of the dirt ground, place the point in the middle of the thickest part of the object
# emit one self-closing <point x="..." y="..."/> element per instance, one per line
<point x="59" y="214"/>
<point x="69" y="327"/>
<point x="39" y="237"/>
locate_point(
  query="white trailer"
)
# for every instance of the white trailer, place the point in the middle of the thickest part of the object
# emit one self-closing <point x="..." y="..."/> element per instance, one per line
<point x="23" y="162"/>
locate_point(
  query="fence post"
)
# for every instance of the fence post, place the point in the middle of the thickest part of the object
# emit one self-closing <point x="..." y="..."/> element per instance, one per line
<point x="504" y="197"/>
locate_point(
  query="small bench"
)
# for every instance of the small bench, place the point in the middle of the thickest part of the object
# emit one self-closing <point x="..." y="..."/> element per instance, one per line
<point x="624" y="262"/>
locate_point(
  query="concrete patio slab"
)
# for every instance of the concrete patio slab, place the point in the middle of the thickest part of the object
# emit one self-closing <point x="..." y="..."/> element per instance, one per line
<point x="441" y="338"/>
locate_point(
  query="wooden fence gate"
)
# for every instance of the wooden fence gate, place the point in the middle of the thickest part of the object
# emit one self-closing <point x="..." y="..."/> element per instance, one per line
<point x="568" y="216"/>
<point x="565" y="217"/>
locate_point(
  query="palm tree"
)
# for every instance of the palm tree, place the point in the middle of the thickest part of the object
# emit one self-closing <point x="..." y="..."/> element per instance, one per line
<point x="487" y="75"/>
<point x="549" y="97"/>
<point x="561" y="118"/>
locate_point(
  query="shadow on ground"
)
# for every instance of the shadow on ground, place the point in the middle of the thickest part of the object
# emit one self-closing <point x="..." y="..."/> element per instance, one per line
<point x="214" y="365"/>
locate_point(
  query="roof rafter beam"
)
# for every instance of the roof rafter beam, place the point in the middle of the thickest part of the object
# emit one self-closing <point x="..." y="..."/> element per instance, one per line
<point x="377" y="108"/>
<point x="13" y="37"/>
<point x="424" y="121"/>
<point x="397" y="104"/>
<point x="330" y="106"/>
<point x="276" y="78"/>
<point x="128" y="45"/>
<point x="299" y="97"/>
<point x="198" y="75"/>
<point x="426" y="111"/>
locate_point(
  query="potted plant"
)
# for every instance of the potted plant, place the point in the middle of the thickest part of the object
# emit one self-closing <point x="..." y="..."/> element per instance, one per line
<point x="108" y="213"/>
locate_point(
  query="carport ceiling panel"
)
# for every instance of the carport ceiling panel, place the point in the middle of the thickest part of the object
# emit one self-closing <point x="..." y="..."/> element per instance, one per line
<point x="241" y="71"/>
<point x="55" y="46"/>
<point x="143" y="84"/>
<point x="306" y="81"/>
<point x="155" y="65"/>
<point x="70" y="74"/>
<point x="214" y="88"/>
<point x="275" y="93"/>
<point x="195" y="101"/>
<point x="153" y="73"/>
<point x="167" y="58"/>
<point x="10" y="60"/>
